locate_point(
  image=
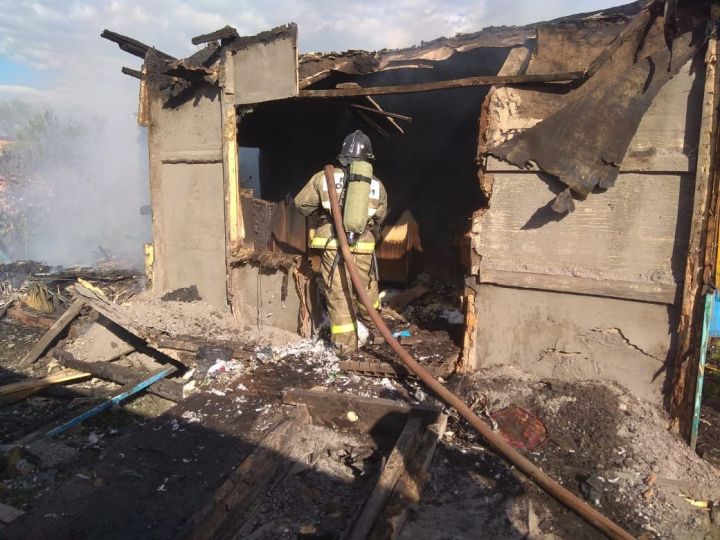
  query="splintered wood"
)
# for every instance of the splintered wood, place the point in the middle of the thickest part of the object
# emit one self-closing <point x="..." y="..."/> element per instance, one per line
<point x="687" y="355"/>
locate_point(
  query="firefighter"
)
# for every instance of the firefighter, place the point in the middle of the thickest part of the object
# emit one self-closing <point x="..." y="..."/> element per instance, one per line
<point x="363" y="203"/>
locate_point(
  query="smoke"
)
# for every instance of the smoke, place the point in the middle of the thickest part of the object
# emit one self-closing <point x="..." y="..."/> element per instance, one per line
<point x="74" y="189"/>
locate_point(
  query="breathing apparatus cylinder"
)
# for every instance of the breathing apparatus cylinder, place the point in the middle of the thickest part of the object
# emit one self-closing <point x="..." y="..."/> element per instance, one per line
<point x="357" y="198"/>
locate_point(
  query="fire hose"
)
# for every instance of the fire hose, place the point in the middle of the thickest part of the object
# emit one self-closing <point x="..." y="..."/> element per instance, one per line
<point x="563" y="495"/>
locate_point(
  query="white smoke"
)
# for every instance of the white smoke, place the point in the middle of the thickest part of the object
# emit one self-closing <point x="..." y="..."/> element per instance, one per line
<point x="74" y="191"/>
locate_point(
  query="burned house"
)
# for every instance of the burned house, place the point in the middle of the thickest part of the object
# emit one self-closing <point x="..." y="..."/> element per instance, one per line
<point x="552" y="236"/>
<point x="548" y="168"/>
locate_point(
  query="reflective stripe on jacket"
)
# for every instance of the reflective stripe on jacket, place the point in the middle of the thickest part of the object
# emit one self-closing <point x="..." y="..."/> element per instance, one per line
<point x="314" y="196"/>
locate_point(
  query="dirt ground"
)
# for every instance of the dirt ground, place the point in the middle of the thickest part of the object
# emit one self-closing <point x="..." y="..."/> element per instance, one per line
<point x="142" y="470"/>
<point x="599" y="436"/>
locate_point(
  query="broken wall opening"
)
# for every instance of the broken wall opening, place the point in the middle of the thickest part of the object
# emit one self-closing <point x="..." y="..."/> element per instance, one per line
<point x="429" y="171"/>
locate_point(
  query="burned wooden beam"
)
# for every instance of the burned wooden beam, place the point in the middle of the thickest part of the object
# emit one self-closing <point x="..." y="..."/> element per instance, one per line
<point x="409" y="487"/>
<point x="130" y="45"/>
<point x="373" y="414"/>
<point x="394" y="468"/>
<point x="226" y="32"/>
<point x="486" y="80"/>
<point x="381" y="112"/>
<point x="33" y="320"/>
<point x="52" y="334"/>
<point x="373" y="124"/>
<point x="124" y="393"/>
<point x="132" y="72"/>
<point x="20" y="390"/>
<point x="115" y="313"/>
<point x="120" y="375"/>
<point x="228" y="511"/>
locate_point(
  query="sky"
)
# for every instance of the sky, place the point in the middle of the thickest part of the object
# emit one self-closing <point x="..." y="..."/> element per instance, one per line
<point x="51" y="51"/>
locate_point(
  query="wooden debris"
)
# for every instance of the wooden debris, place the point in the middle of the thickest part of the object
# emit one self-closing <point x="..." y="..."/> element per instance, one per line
<point x="30" y="319"/>
<point x="121" y="375"/>
<point x="382" y="112"/>
<point x="687" y="354"/>
<point x="231" y="506"/>
<point x="331" y="409"/>
<point x="391" y="473"/>
<point x="408" y="489"/>
<point x="124" y="393"/>
<point x="442" y="85"/>
<point x="52" y="334"/>
<point x="130" y="45"/>
<point x="132" y="72"/>
<point x="8" y="514"/>
<point x="94" y="298"/>
<point x="402" y="300"/>
<point x="650" y="486"/>
<point x="443" y="366"/>
<point x="226" y="32"/>
<point x="20" y="390"/>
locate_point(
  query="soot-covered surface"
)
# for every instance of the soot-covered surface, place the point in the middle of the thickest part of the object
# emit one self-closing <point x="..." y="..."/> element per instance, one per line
<point x="603" y="445"/>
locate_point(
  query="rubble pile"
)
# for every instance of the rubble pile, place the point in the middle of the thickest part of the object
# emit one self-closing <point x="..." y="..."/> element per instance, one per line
<point x="162" y="460"/>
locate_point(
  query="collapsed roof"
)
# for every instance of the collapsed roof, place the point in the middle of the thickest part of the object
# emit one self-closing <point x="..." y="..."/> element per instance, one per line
<point x="622" y="57"/>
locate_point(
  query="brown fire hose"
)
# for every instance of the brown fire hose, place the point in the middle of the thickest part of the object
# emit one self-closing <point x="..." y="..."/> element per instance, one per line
<point x="580" y="507"/>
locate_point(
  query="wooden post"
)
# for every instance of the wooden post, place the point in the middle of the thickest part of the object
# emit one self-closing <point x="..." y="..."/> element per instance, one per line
<point x="234" y="226"/>
<point x="233" y="213"/>
<point x="688" y="346"/>
<point x="467" y="359"/>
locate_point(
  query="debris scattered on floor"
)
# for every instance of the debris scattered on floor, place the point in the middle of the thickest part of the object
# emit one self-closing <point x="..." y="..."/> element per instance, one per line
<point x="598" y="441"/>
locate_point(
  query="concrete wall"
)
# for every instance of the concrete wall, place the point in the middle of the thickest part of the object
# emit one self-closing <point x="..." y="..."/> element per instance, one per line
<point x="269" y="297"/>
<point x="267" y="70"/>
<point x="187" y="196"/>
<point x="576" y="337"/>
<point x="591" y="295"/>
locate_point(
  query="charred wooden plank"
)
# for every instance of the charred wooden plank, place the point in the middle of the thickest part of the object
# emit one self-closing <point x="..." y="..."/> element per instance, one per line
<point x="228" y="510"/>
<point x="374" y="415"/>
<point x="120" y="375"/>
<point x="19" y="390"/>
<point x="391" y="473"/>
<point x="381" y="112"/>
<point x="226" y="32"/>
<point x="30" y="319"/>
<point x="408" y="489"/>
<point x="485" y="80"/>
<point x="130" y="45"/>
<point x="132" y="72"/>
<point x="52" y="334"/>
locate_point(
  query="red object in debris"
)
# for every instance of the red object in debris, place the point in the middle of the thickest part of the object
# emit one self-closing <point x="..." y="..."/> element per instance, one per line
<point x="520" y="428"/>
